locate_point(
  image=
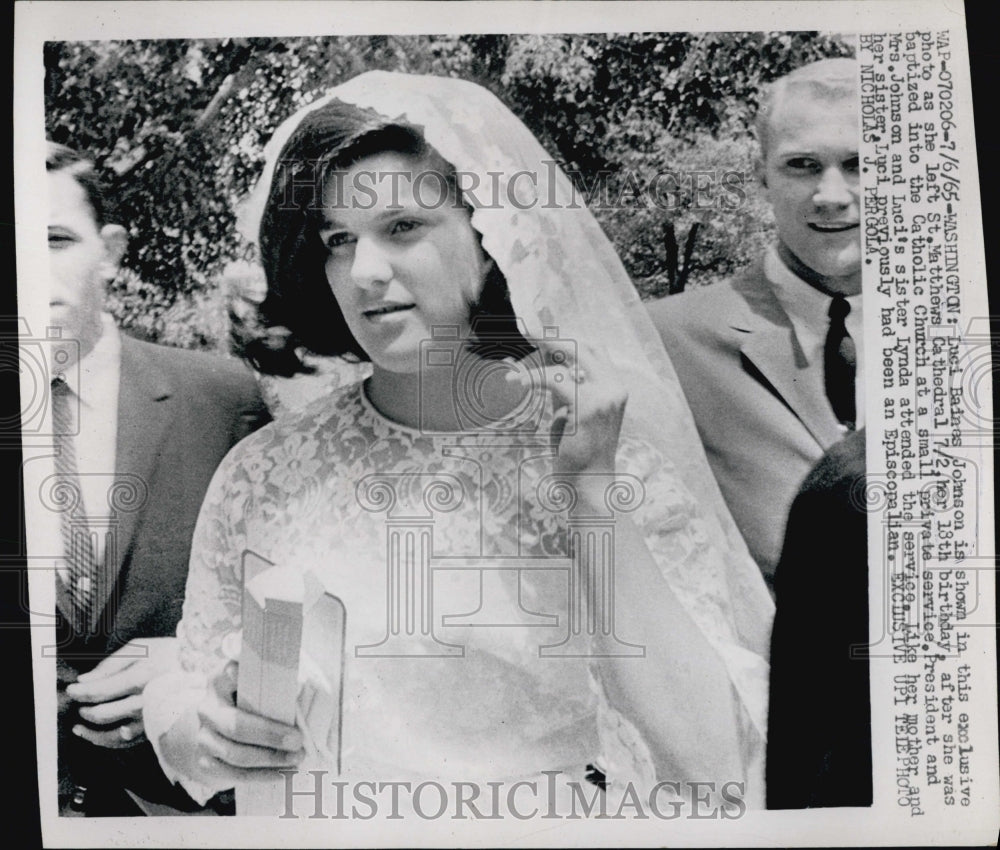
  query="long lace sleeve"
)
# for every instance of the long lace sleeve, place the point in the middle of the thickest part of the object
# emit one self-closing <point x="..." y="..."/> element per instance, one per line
<point x="212" y="602"/>
<point x="212" y="599"/>
<point x="706" y="579"/>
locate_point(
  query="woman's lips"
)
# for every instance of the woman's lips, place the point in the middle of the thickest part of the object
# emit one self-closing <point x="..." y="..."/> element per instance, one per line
<point x="833" y="227"/>
<point x="385" y="310"/>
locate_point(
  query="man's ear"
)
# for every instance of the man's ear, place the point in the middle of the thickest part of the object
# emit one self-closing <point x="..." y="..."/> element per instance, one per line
<point x="115" y="240"/>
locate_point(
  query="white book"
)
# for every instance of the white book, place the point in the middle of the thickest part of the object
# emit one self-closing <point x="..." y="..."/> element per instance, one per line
<point x="291" y="668"/>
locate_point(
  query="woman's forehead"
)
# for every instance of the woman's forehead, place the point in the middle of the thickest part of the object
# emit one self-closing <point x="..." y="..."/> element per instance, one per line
<point x="384" y="182"/>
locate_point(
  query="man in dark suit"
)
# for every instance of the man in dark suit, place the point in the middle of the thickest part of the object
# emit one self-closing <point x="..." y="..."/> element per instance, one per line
<point x="139" y="430"/>
<point x="771" y="361"/>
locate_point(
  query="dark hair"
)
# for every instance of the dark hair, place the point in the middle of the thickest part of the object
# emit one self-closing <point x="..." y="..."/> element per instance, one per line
<point x="300" y="310"/>
<point x="84" y="171"/>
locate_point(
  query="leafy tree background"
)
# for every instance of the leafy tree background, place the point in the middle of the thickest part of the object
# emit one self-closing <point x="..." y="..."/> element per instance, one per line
<point x="178" y="128"/>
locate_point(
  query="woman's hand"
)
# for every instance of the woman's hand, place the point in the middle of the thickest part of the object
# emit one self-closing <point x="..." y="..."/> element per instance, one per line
<point x="236" y="743"/>
<point x="589" y="405"/>
<point x="220" y="744"/>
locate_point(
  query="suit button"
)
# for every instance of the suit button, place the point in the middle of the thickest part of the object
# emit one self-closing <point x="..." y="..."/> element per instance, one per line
<point x="79" y="799"/>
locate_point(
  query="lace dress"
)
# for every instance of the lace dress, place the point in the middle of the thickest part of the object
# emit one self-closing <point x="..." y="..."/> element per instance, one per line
<point x="456" y="667"/>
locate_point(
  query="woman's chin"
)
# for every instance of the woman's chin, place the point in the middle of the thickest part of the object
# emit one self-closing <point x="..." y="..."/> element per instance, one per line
<point x="398" y="353"/>
<point x="420" y="354"/>
<point x="401" y="364"/>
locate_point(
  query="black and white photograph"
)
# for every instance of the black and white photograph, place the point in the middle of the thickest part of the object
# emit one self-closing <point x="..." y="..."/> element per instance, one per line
<point x="465" y="424"/>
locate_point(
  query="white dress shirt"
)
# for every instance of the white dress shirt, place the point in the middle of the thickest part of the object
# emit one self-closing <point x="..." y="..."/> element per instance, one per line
<point x="808" y="309"/>
<point x="94" y="441"/>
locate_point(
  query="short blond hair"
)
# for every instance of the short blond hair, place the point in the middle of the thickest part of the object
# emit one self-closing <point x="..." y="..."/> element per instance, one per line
<point x="827" y="80"/>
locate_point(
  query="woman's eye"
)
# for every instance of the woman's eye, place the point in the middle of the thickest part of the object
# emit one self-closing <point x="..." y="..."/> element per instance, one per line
<point x="405" y="226"/>
<point x="338" y="240"/>
<point x="851" y="164"/>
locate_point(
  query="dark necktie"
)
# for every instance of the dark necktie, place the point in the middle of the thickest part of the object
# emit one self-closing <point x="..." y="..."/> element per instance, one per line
<point x="78" y="547"/>
<point x="840" y="363"/>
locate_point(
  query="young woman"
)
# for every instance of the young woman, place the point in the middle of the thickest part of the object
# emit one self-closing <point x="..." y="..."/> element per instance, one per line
<point x="414" y="222"/>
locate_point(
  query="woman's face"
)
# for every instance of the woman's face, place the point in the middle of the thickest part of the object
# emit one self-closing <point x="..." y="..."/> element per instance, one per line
<point x="402" y="257"/>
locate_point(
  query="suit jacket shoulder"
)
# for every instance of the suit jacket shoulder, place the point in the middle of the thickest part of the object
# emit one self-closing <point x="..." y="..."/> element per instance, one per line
<point x="228" y="377"/>
<point x="209" y="386"/>
<point x="716" y="315"/>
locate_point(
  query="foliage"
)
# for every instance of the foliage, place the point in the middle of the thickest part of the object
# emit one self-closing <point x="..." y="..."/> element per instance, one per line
<point x="198" y="319"/>
<point x="178" y="129"/>
<point x="676" y="185"/>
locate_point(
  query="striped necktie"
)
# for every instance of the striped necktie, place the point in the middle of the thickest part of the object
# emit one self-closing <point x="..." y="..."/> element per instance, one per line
<point x="78" y="545"/>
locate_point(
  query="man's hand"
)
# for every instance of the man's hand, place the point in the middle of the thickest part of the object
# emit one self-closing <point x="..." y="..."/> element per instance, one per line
<point x="110" y="695"/>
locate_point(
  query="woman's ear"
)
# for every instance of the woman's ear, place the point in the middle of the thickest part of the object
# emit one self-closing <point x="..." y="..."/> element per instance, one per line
<point x="115" y="242"/>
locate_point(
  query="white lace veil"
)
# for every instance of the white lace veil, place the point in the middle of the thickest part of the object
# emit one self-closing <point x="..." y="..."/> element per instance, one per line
<point x="563" y="272"/>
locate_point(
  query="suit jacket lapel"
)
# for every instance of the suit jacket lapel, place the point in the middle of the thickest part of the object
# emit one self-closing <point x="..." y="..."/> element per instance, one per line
<point x="770" y="345"/>
<point x="144" y="415"/>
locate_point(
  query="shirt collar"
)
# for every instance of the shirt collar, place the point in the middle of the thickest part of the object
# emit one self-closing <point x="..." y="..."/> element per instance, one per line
<point x="807" y="307"/>
<point x="102" y="360"/>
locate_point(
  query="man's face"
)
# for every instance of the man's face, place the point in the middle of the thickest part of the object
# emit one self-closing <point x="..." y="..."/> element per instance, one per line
<point x="811" y="178"/>
<point x="82" y="258"/>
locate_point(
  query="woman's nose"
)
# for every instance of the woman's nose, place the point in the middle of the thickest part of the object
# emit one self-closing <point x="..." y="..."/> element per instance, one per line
<point x="834" y="189"/>
<point x="371" y="266"/>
